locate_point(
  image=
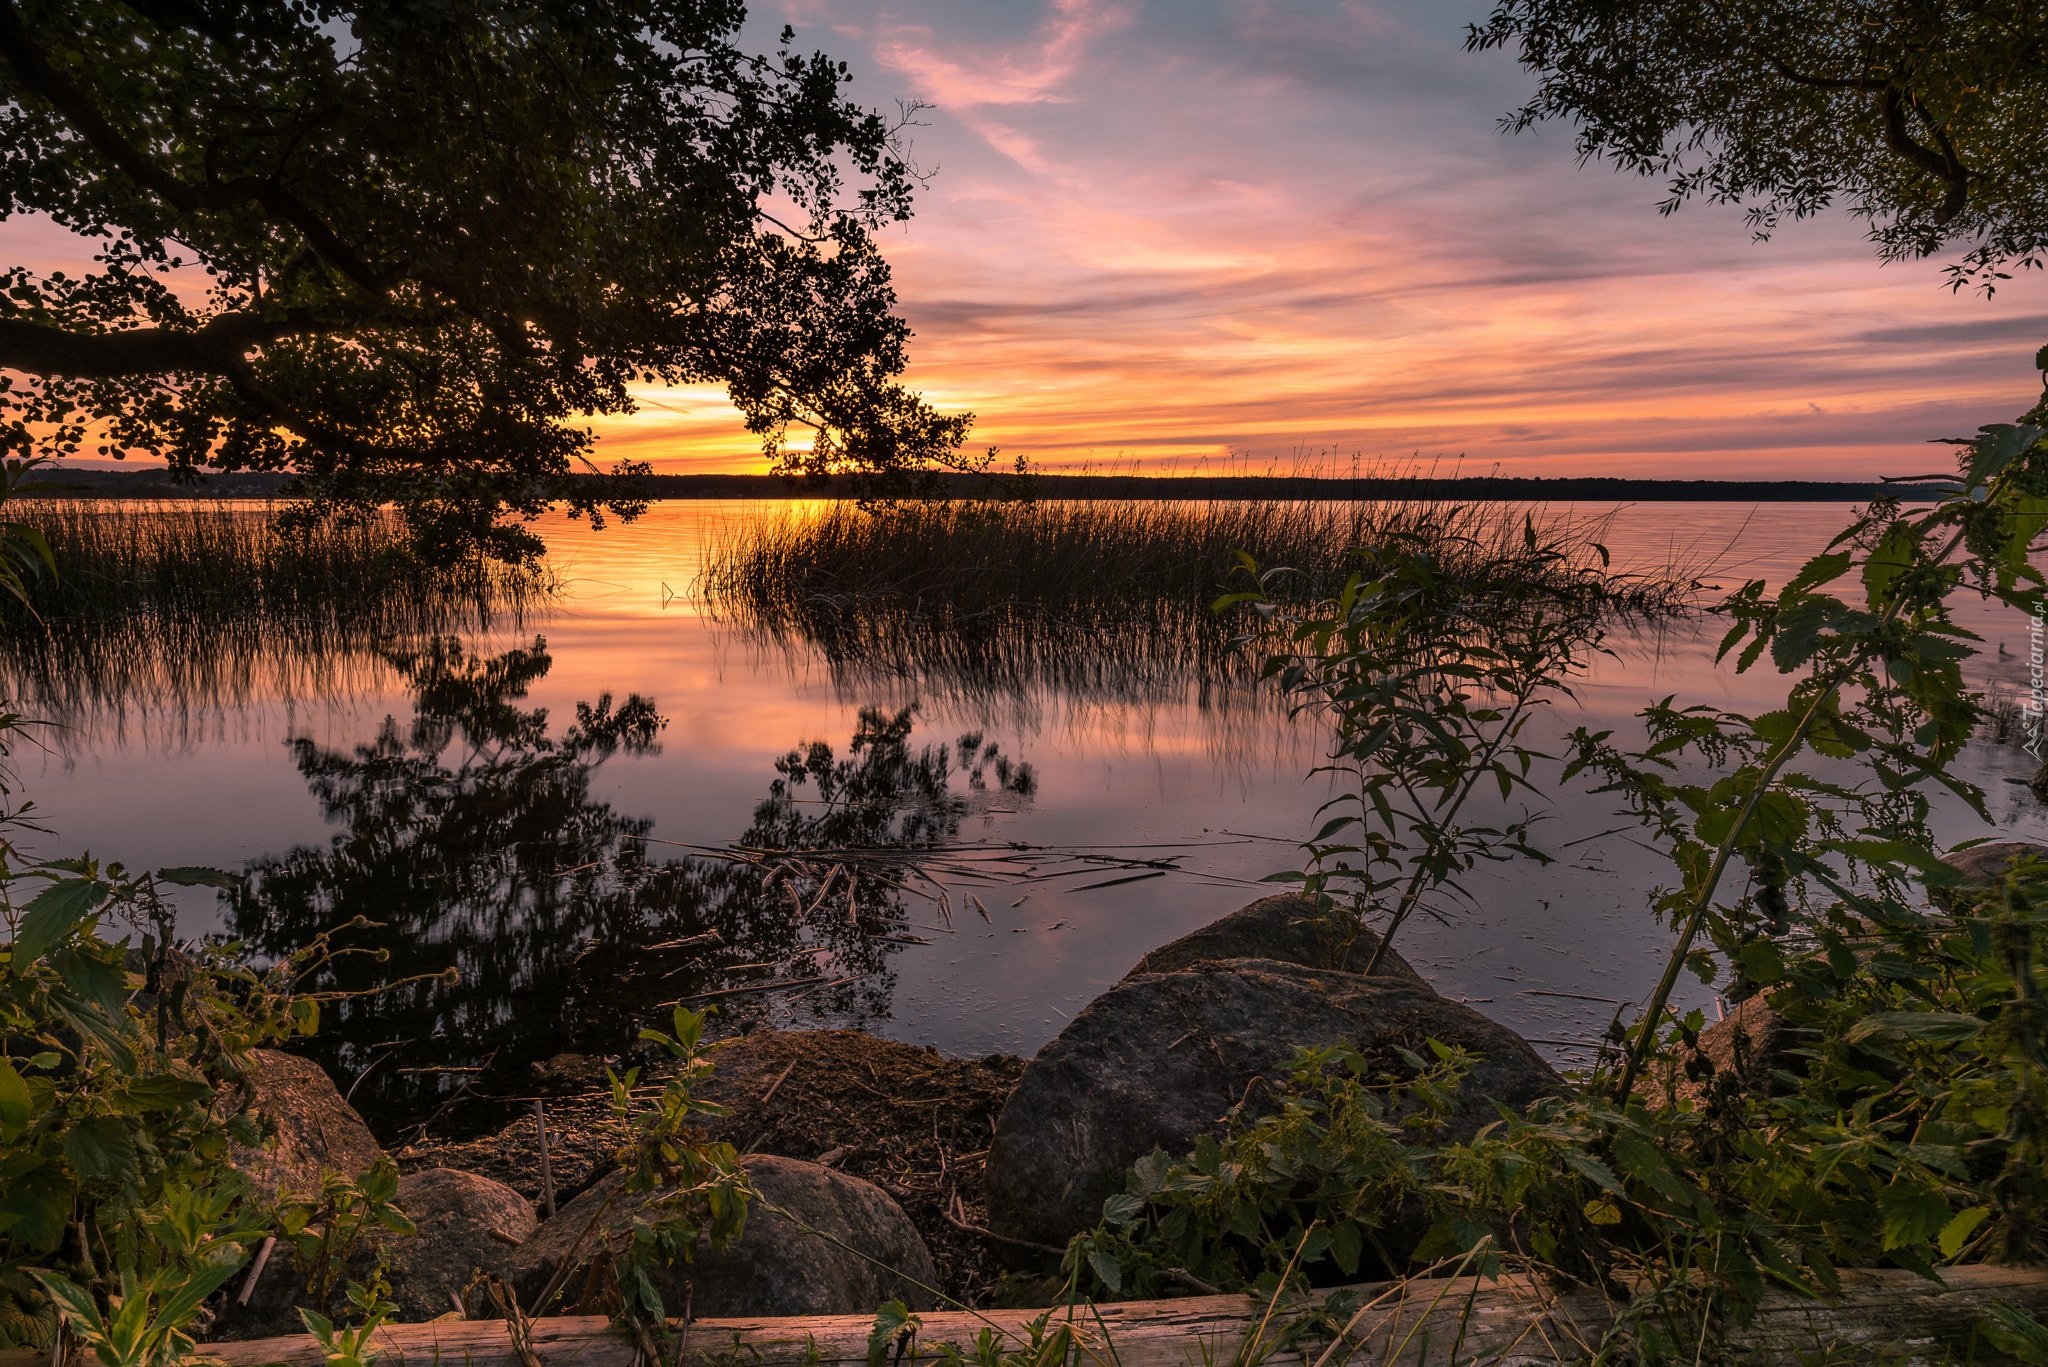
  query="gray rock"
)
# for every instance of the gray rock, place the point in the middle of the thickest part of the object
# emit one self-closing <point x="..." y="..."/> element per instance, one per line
<point x="466" y="1224"/>
<point x="312" y="1130"/>
<point x="1285" y="928"/>
<point x="777" y="1267"/>
<point x="1159" y="1059"/>
<point x="1983" y="866"/>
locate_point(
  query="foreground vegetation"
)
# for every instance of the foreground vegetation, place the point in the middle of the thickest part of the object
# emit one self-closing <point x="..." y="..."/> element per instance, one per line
<point x="1902" y="1119"/>
<point x="1892" y="1106"/>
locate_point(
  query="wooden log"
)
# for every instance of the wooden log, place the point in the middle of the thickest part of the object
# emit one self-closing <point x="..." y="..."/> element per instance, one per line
<point x="1512" y="1321"/>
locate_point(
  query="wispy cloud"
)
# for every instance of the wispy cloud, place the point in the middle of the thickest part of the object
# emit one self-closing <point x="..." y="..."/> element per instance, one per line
<point x="1035" y="69"/>
<point x="1176" y="229"/>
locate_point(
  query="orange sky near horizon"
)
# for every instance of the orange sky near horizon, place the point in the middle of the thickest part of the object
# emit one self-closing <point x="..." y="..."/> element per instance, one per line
<point x="1177" y="234"/>
<point x="1172" y="235"/>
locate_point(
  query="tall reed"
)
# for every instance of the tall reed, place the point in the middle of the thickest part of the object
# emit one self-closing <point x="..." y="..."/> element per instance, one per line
<point x="1097" y="597"/>
<point x="176" y="603"/>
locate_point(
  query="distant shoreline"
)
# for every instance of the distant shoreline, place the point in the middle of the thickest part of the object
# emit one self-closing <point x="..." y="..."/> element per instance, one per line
<point x="155" y="483"/>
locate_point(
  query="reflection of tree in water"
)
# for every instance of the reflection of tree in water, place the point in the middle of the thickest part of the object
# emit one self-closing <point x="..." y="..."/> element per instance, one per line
<point x="473" y="838"/>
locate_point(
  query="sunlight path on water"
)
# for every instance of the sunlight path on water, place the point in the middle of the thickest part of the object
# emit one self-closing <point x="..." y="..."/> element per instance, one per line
<point x="1217" y="788"/>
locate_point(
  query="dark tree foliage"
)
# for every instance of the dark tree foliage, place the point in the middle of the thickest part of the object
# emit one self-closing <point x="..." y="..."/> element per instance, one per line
<point x="1927" y="117"/>
<point x="521" y="915"/>
<point x="401" y="248"/>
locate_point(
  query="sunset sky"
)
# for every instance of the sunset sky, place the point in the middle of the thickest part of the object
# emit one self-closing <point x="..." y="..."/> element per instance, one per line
<point x="1181" y="231"/>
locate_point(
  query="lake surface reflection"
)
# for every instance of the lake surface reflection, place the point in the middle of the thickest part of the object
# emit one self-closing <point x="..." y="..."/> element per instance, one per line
<point x="530" y="805"/>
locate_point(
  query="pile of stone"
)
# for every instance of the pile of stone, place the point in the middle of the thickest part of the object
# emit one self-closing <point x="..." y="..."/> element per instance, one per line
<point x="1199" y="1031"/>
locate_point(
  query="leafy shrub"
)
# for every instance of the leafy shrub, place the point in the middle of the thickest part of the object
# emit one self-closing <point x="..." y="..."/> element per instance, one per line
<point x="118" y="1105"/>
<point x="1905" y="1121"/>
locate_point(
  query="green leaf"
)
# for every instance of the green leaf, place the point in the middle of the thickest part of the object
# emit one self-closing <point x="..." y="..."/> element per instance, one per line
<point x="162" y="1092"/>
<point x="199" y="876"/>
<point x="35" y="1209"/>
<point x="1347" y="1246"/>
<point x="1998" y="446"/>
<point x="54" y="914"/>
<point x="100" y="1149"/>
<point x="1957" y="1232"/>
<point x="1938" y="1027"/>
<point x="1799" y="631"/>
<point x="1911" y="1215"/>
<point x="2011" y="1330"/>
<point x="1891" y="557"/>
<point x="73" y="1301"/>
<point x="893" y="1324"/>
<point x="1107" y="1269"/>
<point x="1819" y="570"/>
<point x="15" y="1105"/>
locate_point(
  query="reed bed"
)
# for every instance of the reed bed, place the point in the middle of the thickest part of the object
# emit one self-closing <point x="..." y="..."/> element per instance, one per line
<point x="179" y="603"/>
<point x="1104" y="599"/>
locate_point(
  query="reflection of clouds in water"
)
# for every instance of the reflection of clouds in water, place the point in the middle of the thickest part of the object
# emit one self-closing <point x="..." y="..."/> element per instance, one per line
<point x="1159" y="769"/>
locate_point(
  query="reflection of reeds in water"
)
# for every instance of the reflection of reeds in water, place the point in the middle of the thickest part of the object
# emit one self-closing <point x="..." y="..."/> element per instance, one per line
<point x="167" y="606"/>
<point x="1104" y="601"/>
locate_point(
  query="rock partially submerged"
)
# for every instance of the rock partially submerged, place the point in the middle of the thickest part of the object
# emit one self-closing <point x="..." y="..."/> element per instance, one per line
<point x="1984" y="866"/>
<point x="312" y="1130"/>
<point x="1286" y="928"/>
<point x="1161" y="1058"/>
<point x="796" y="1263"/>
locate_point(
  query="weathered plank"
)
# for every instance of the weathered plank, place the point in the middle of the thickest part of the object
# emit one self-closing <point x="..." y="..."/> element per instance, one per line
<point x="1510" y="1322"/>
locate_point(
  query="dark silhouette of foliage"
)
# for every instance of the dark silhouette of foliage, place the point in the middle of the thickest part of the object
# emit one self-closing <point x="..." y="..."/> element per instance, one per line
<point x="882" y="795"/>
<point x="1924" y="116"/>
<point x="523" y="917"/>
<point x="434" y="236"/>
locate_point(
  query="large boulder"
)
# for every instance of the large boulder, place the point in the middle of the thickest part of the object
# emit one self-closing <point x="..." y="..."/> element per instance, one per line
<point x="464" y="1225"/>
<point x="1286" y="928"/>
<point x="312" y="1130"/>
<point x="1160" y="1059"/>
<point x="779" y="1266"/>
<point x="1984" y="866"/>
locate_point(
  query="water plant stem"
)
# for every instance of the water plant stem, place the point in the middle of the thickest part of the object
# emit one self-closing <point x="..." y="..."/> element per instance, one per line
<point x="1639" y="1049"/>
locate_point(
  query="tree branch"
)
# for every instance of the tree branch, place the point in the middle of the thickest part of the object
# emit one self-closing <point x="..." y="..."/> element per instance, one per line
<point x="1893" y="100"/>
<point x="212" y="348"/>
<point x="21" y="52"/>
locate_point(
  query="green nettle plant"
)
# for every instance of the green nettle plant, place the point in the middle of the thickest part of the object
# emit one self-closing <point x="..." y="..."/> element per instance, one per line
<point x="1900" y="1115"/>
<point x="688" y="1194"/>
<point x="118" y="1210"/>
<point x="1313" y="1184"/>
<point x="1431" y="664"/>
<point x="123" y="1064"/>
<point x="325" y="1230"/>
<point x="697" y="1191"/>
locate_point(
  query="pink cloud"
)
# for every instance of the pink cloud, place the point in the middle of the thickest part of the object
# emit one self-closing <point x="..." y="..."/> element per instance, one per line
<point x="1035" y="71"/>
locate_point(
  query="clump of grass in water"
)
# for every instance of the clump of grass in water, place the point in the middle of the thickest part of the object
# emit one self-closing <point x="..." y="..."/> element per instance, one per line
<point x="182" y="603"/>
<point x="1100" y="598"/>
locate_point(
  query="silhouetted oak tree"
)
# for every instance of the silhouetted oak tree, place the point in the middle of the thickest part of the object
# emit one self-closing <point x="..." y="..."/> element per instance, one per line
<point x="1928" y="117"/>
<point x="401" y="248"/>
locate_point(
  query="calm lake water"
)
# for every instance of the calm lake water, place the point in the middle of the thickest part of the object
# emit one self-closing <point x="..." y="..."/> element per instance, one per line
<point x="343" y="805"/>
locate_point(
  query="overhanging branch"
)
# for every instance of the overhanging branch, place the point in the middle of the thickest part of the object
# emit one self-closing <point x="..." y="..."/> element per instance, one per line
<point x="212" y="348"/>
